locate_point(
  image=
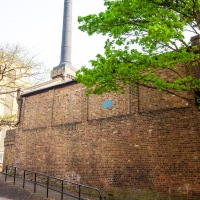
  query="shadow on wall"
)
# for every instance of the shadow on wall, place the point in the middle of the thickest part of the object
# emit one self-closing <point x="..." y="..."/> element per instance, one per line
<point x="9" y="144"/>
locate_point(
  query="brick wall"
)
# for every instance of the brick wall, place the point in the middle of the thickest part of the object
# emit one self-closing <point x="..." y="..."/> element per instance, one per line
<point x="145" y="139"/>
<point x="9" y="147"/>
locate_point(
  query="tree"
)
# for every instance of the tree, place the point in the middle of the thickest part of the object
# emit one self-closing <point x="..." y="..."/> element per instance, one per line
<point x="146" y="39"/>
<point x="18" y="70"/>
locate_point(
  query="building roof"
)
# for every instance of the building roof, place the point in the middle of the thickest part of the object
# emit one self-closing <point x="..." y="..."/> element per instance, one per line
<point x="40" y="89"/>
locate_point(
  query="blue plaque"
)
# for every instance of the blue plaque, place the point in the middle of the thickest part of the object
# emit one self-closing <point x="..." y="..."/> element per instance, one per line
<point x="107" y="104"/>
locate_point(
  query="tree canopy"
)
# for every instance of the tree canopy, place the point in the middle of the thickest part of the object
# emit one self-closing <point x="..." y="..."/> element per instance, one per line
<point x="18" y="70"/>
<point x="146" y="39"/>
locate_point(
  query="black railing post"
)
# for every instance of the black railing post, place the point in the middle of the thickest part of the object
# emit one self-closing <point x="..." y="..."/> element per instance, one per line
<point x="14" y="174"/>
<point x="35" y="179"/>
<point x="6" y="173"/>
<point x="79" y="192"/>
<point x="62" y="189"/>
<point x="47" y="186"/>
<point x="24" y="178"/>
<point x="100" y="198"/>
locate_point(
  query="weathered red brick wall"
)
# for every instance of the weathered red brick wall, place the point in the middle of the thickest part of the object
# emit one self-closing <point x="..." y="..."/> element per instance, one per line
<point x="9" y="147"/>
<point x="146" y="140"/>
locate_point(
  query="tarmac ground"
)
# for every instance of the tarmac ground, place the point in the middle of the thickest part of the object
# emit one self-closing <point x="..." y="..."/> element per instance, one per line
<point x="8" y="191"/>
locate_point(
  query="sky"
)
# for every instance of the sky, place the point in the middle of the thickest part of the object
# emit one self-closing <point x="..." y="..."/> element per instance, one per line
<point x="37" y="26"/>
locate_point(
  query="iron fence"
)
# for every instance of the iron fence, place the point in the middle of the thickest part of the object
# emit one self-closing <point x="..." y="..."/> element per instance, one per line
<point x="43" y="180"/>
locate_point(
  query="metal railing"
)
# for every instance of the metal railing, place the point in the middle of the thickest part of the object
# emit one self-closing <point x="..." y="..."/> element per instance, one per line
<point x="35" y="178"/>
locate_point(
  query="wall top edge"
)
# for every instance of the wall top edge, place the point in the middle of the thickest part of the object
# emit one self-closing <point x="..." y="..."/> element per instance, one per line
<point x="40" y="90"/>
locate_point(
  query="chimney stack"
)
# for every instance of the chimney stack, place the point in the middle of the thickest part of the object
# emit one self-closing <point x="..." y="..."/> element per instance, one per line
<point x="65" y="69"/>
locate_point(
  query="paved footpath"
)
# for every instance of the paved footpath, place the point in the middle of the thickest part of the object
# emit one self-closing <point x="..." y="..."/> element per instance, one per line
<point x="12" y="192"/>
<point x="16" y="192"/>
<point x="8" y="191"/>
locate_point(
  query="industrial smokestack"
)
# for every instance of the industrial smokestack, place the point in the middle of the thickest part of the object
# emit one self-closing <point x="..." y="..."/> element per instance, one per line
<point x="65" y="57"/>
<point x="65" y="68"/>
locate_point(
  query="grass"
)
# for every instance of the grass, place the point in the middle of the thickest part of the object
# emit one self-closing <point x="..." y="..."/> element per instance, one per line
<point x="142" y="194"/>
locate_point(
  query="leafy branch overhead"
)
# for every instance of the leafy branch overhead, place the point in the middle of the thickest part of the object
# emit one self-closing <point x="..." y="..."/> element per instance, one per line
<point x="147" y="45"/>
<point x="18" y="69"/>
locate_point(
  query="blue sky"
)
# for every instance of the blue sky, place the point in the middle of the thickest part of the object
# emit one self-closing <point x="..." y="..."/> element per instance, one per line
<point x="37" y="26"/>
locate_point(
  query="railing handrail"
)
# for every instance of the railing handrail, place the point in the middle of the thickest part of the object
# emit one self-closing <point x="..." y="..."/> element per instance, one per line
<point x="48" y="177"/>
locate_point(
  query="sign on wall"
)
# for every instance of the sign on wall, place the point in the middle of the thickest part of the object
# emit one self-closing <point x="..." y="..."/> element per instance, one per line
<point x="107" y="104"/>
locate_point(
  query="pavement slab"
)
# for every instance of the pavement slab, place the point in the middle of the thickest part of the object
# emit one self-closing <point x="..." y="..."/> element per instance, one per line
<point x="16" y="192"/>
